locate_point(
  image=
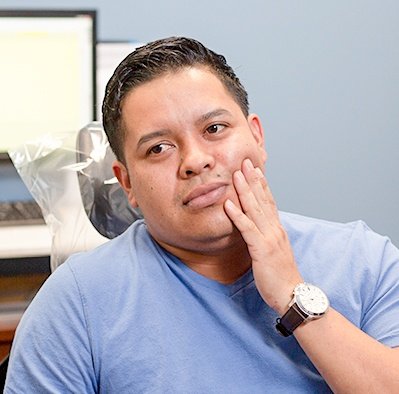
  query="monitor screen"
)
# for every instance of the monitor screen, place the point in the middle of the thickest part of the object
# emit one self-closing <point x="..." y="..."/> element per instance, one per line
<point x="47" y="73"/>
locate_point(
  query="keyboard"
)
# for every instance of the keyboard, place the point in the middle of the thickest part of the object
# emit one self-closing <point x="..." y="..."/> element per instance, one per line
<point x="18" y="213"/>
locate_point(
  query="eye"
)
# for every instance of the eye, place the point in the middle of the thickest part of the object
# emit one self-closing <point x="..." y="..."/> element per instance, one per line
<point x="215" y="128"/>
<point x="159" y="148"/>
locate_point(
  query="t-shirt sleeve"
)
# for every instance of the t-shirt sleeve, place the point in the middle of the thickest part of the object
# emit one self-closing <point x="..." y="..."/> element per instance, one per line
<point x="51" y="351"/>
<point x="381" y="313"/>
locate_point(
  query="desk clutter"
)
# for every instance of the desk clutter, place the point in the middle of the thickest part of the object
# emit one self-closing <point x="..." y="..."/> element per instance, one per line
<point x="20" y="213"/>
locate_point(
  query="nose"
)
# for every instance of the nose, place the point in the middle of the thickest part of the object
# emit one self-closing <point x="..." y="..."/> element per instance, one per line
<point x="195" y="159"/>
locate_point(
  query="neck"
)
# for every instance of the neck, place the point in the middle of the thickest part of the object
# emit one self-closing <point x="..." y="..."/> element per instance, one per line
<point x="224" y="265"/>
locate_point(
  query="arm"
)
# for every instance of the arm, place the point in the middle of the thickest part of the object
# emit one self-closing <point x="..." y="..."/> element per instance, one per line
<point x="347" y="358"/>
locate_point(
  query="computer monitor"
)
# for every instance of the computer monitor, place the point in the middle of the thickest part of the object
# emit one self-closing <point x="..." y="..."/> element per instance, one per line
<point x="47" y="73"/>
<point x="47" y="77"/>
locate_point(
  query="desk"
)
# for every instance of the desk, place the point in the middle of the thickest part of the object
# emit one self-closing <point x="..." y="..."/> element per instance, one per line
<point x="24" y="241"/>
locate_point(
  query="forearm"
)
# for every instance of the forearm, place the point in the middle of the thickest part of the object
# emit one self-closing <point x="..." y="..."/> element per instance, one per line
<point x="348" y="359"/>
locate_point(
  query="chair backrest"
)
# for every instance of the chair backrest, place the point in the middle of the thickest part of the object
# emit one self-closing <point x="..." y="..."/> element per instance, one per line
<point x="70" y="177"/>
<point x="104" y="201"/>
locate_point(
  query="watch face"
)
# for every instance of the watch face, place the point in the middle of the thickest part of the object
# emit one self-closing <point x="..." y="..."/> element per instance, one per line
<point x="311" y="299"/>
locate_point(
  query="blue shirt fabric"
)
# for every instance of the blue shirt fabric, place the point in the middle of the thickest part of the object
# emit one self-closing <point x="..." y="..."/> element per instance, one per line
<point x="129" y="317"/>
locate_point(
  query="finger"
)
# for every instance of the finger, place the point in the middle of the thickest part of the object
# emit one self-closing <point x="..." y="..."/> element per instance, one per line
<point x="245" y="226"/>
<point x="260" y="188"/>
<point x="248" y="201"/>
<point x="253" y="177"/>
<point x="255" y="196"/>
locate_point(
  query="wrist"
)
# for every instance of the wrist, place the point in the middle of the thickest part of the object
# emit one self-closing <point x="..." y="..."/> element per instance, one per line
<point x="308" y="303"/>
<point x="285" y="297"/>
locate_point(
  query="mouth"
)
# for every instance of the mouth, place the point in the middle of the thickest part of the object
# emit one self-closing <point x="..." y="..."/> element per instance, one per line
<point x="205" y="195"/>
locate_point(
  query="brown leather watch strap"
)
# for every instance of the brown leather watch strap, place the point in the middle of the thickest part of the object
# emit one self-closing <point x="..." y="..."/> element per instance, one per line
<point x="290" y="321"/>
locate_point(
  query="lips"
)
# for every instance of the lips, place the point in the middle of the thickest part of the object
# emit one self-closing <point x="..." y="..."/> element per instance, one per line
<point x="205" y="195"/>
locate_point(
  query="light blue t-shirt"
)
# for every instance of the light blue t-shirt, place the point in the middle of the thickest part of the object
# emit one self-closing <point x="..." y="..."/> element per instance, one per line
<point x="130" y="318"/>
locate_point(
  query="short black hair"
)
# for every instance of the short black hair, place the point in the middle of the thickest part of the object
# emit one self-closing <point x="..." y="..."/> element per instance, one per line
<point x="152" y="60"/>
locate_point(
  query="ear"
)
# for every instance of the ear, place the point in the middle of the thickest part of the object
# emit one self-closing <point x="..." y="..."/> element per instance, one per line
<point x="257" y="131"/>
<point x="122" y="174"/>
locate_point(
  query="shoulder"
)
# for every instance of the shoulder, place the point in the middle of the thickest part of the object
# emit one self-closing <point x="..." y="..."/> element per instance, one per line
<point x="106" y="269"/>
<point x="308" y="230"/>
<point x="114" y="255"/>
<point x="344" y="251"/>
<point x="91" y="285"/>
<point x="299" y="223"/>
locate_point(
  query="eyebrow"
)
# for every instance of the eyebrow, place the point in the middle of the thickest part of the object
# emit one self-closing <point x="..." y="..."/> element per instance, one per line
<point x="212" y="114"/>
<point x="148" y="137"/>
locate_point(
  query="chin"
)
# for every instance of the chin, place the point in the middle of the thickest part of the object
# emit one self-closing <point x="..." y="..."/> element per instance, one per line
<point x="220" y="233"/>
<point x="205" y="229"/>
<point x="210" y="239"/>
<point x="215" y="222"/>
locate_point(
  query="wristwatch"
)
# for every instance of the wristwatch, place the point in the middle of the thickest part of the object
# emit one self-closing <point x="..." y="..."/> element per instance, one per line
<point x="308" y="303"/>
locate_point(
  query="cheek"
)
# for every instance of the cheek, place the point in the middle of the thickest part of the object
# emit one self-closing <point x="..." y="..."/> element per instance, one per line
<point x="145" y="187"/>
<point x="151" y="191"/>
<point x="229" y="155"/>
<point x="235" y="156"/>
<point x="256" y="154"/>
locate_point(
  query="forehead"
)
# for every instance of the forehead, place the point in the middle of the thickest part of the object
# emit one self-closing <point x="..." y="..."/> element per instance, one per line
<point x="194" y="75"/>
<point x="184" y="92"/>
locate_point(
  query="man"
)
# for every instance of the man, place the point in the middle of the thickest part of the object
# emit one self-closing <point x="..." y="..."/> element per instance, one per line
<point x="198" y="297"/>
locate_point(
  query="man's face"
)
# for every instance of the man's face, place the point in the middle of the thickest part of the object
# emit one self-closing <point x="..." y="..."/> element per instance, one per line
<point x="185" y="136"/>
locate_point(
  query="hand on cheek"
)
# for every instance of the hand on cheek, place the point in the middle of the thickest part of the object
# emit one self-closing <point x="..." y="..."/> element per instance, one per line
<point x="273" y="263"/>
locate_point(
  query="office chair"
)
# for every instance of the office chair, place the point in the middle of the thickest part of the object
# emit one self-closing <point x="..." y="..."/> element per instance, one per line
<point x="70" y="176"/>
